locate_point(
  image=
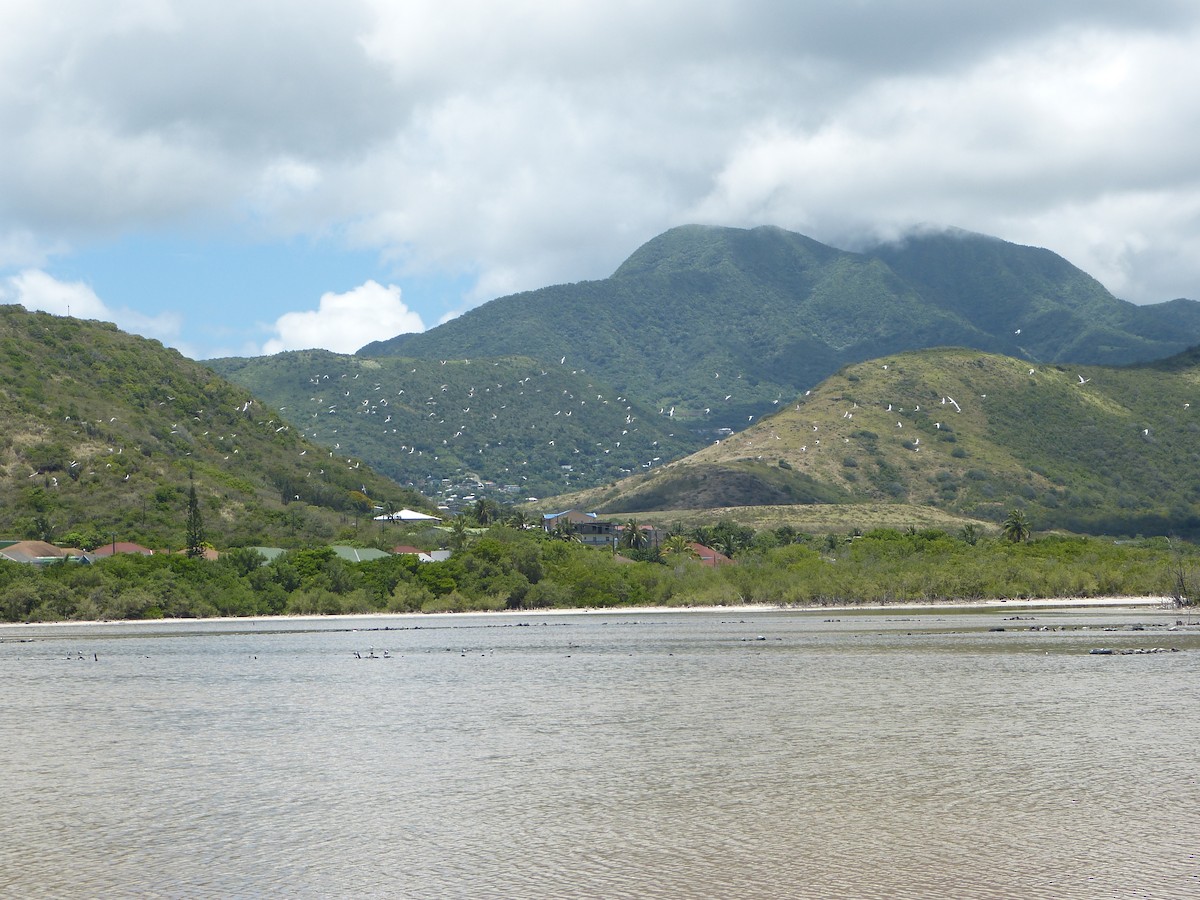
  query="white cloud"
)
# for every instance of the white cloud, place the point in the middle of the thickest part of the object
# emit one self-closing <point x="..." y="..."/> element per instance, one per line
<point x="36" y="290"/>
<point x="344" y="322"/>
<point x="1066" y="143"/>
<point x="528" y="143"/>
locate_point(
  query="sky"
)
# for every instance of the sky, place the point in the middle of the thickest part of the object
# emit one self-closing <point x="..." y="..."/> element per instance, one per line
<point x="245" y="178"/>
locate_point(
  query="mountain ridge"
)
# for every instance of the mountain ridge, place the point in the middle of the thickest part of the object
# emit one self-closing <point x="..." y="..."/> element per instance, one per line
<point x="792" y="309"/>
<point x="711" y="327"/>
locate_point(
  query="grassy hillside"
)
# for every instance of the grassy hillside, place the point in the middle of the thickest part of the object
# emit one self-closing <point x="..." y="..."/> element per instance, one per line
<point x="1093" y="449"/>
<point x="537" y="428"/>
<point x="102" y="433"/>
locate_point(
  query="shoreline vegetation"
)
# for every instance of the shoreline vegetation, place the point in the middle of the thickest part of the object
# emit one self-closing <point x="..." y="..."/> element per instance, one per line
<point x="506" y="568"/>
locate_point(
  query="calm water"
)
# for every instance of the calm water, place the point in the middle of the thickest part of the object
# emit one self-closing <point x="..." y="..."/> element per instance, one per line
<point x="610" y="755"/>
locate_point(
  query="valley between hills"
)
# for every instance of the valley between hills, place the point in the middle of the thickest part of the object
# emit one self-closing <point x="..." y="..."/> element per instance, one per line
<point x="718" y="368"/>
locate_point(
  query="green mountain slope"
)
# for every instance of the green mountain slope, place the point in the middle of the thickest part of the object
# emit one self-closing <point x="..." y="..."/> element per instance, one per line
<point x="712" y="326"/>
<point x="1038" y="303"/>
<point x="102" y="433"/>
<point x="699" y="314"/>
<point x="532" y="428"/>
<point x="1092" y="449"/>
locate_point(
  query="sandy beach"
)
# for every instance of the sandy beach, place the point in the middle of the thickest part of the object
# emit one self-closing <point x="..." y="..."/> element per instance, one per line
<point x="1142" y="602"/>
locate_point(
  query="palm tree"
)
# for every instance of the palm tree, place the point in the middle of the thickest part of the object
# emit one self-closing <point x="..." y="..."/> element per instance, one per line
<point x="678" y="544"/>
<point x="1016" y="527"/>
<point x="725" y="543"/>
<point x="565" y="531"/>
<point x="634" y="537"/>
<point x="458" y="532"/>
<point x="518" y="519"/>
<point x="486" y="511"/>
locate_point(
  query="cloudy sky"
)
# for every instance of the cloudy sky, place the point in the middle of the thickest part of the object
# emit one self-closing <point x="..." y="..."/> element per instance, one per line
<point x="241" y="178"/>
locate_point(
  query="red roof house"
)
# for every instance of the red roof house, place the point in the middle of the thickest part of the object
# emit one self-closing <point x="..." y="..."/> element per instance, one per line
<point x="710" y="557"/>
<point x="121" y="547"/>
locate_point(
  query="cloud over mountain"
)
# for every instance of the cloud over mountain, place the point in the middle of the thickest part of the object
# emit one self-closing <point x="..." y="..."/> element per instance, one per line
<point x="525" y="144"/>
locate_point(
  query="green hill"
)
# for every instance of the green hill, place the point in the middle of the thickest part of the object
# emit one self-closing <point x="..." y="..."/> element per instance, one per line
<point x="1091" y="449"/>
<point x="102" y="433"/>
<point x="533" y="428"/>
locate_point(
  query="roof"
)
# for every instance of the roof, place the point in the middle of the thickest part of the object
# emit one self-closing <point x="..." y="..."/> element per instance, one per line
<point x="205" y="553"/>
<point x="359" y="554"/>
<point x="709" y="556"/>
<point x="407" y="515"/>
<point x="568" y="512"/>
<point x="39" y="551"/>
<point x="121" y="547"/>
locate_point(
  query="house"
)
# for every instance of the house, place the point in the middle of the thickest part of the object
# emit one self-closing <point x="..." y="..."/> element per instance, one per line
<point x="587" y="526"/>
<point x="421" y="555"/>
<point x="39" y="553"/>
<point x="358" y="554"/>
<point x="405" y="550"/>
<point x="651" y="536"/>
<point x="205" y="553"/>
<point x="120" y="547"/>
<point x="709" y="556"/>
<point x="406" y="515"/>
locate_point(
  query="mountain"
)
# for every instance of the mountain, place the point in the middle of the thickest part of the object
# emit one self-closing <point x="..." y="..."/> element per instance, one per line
<point x="1063" y="314"/>
<point x="102" y="434"/>
<point x="699" y="332"/>
<point x="1086" y="448"/>
<point x="701" y="313"/>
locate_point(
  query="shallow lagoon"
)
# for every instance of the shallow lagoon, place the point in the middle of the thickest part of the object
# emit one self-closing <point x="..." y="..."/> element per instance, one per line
<point x="637" y="753"/>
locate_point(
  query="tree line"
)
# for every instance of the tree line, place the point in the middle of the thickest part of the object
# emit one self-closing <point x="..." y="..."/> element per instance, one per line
<point x="505" y="566"/>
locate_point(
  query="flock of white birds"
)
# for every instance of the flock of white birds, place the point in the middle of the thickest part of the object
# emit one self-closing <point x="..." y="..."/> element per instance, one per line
<point x="467" y="417"/>
<point x="755" y="443"/>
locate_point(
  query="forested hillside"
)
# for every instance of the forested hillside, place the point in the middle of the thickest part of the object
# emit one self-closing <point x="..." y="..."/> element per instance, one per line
<point x="103" y="434"/>
<point x="721" y="322"/>
<point x="535" y="429"/>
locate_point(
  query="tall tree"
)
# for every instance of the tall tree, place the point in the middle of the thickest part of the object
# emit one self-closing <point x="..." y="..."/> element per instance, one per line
<point x="194" y="536"/>
<point x="459" y="533"/>
<point x="678" y="544"/>
<point x="487" y="511"/>
<point x="1016" y="526"/>
<point x="634" y="537"/>
<point x="565" y="531"/>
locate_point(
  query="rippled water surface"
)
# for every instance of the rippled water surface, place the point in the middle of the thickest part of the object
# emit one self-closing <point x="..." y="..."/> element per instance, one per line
<point x="636" y="754"/>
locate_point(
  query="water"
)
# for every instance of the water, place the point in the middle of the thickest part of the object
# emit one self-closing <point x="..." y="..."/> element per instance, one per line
<point x="635" y="754"/>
